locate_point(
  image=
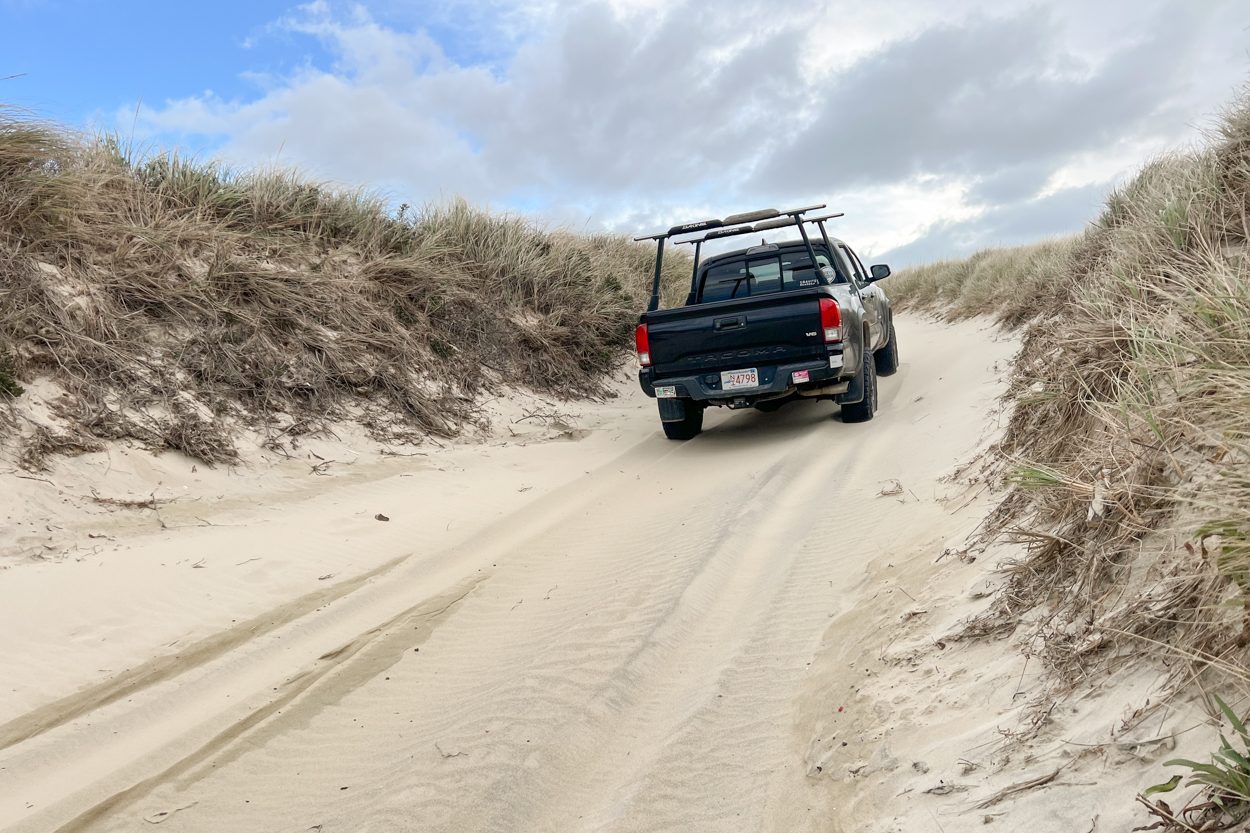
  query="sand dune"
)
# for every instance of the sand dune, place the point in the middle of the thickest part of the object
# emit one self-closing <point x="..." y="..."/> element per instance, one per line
<point x="585" y="628"/>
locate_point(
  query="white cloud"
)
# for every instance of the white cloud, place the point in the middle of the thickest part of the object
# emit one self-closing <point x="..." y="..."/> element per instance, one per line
<point x="916" y="118"/>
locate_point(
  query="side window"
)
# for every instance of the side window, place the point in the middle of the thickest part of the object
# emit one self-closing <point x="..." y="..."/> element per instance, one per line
<point x="844" y="264"/>
<point x="853" y="262"/>
<point x="859" y="263"/>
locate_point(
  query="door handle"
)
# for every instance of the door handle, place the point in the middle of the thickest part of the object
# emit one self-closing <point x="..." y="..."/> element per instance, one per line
<point x="728" y="323"/>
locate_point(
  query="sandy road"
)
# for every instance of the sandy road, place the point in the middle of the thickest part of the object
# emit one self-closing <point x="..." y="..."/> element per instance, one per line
<point x="631" y="650"/>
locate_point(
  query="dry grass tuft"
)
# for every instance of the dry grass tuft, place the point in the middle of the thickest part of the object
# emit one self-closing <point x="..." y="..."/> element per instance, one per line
<point x="174" y="300"/>
<point x="1130" y="438"/>
<point x="44" y="443"/>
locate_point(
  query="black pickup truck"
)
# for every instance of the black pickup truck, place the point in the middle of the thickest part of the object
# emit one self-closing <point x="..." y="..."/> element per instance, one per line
<point x="766" y="325"/>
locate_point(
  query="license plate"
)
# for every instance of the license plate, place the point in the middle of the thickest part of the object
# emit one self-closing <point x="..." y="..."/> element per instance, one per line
<point x="740" y="379"/>
<point x="666" y="392"/>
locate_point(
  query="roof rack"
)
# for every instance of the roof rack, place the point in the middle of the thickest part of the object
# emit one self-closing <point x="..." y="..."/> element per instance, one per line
<point x="781" y="222"/>
<point x="731" y="220"/>
<point x="720" y="228"/>
<point x="786" y="221"/>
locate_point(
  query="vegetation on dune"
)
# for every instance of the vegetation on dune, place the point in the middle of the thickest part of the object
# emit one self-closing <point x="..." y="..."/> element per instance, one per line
<point x="1130" y="435"/>
<point x="1225" y="782"/>
<point x="9" y="386"/>
<point x="172" y="299"/>
<point x="1012" y="284"/>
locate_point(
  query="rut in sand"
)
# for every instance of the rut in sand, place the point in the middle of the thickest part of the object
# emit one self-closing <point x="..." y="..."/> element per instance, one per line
<point x="639" y="649"/>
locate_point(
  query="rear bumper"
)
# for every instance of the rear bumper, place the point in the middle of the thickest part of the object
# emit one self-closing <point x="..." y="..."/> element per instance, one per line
<point x="775" y="381"/>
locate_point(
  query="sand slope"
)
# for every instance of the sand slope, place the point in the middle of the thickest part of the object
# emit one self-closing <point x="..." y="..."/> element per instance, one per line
<point x="603" y="630"/>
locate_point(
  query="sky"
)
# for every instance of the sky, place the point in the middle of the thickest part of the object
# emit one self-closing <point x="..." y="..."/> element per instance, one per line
<point x="939" y="128"/>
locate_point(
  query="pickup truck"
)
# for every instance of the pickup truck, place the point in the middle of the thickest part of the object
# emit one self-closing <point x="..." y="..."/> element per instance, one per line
<point x="766" y="325"/>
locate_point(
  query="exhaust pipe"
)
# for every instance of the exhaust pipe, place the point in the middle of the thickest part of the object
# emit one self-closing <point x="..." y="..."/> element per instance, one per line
<point x="828" y="390"/>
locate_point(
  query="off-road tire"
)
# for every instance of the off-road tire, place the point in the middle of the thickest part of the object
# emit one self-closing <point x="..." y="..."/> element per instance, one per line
<point x="687" y="428"/>
<point x="886" y="358"/>
<point x="863" y="410"/>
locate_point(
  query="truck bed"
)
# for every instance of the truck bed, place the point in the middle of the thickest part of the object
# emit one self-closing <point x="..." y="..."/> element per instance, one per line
<point x="778" y="328"/>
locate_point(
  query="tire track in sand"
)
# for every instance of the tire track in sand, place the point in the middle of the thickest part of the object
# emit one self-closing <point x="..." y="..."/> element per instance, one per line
<point x="633" y="662"/>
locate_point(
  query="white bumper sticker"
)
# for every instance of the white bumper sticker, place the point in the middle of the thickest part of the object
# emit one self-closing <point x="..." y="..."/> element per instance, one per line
<point x="835" y="361"/>
<point x="666" y="392"/>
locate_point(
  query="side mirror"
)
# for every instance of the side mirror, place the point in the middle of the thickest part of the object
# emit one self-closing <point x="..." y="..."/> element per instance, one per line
<point x="879" y="271"/>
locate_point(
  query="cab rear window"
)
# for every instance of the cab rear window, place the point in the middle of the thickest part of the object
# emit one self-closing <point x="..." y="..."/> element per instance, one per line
<point x="760" y="275"/>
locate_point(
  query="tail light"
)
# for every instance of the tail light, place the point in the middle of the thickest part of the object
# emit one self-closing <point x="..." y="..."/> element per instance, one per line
<point x="643" y="345"/>
<point x="830" y="320"/>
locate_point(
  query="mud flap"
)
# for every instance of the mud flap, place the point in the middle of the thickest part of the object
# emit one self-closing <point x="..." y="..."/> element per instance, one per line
<point x="855" y="393"/>
<point x="672" y="410"/>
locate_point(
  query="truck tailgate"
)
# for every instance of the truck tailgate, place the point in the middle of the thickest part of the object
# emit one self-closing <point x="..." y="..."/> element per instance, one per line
<point x="760" y="330"/>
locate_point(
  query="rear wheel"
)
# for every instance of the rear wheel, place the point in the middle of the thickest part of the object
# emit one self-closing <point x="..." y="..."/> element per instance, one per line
<point x="688" y="426"/>
<point x="863" y="410"/>
<point x="886" y="358"/>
